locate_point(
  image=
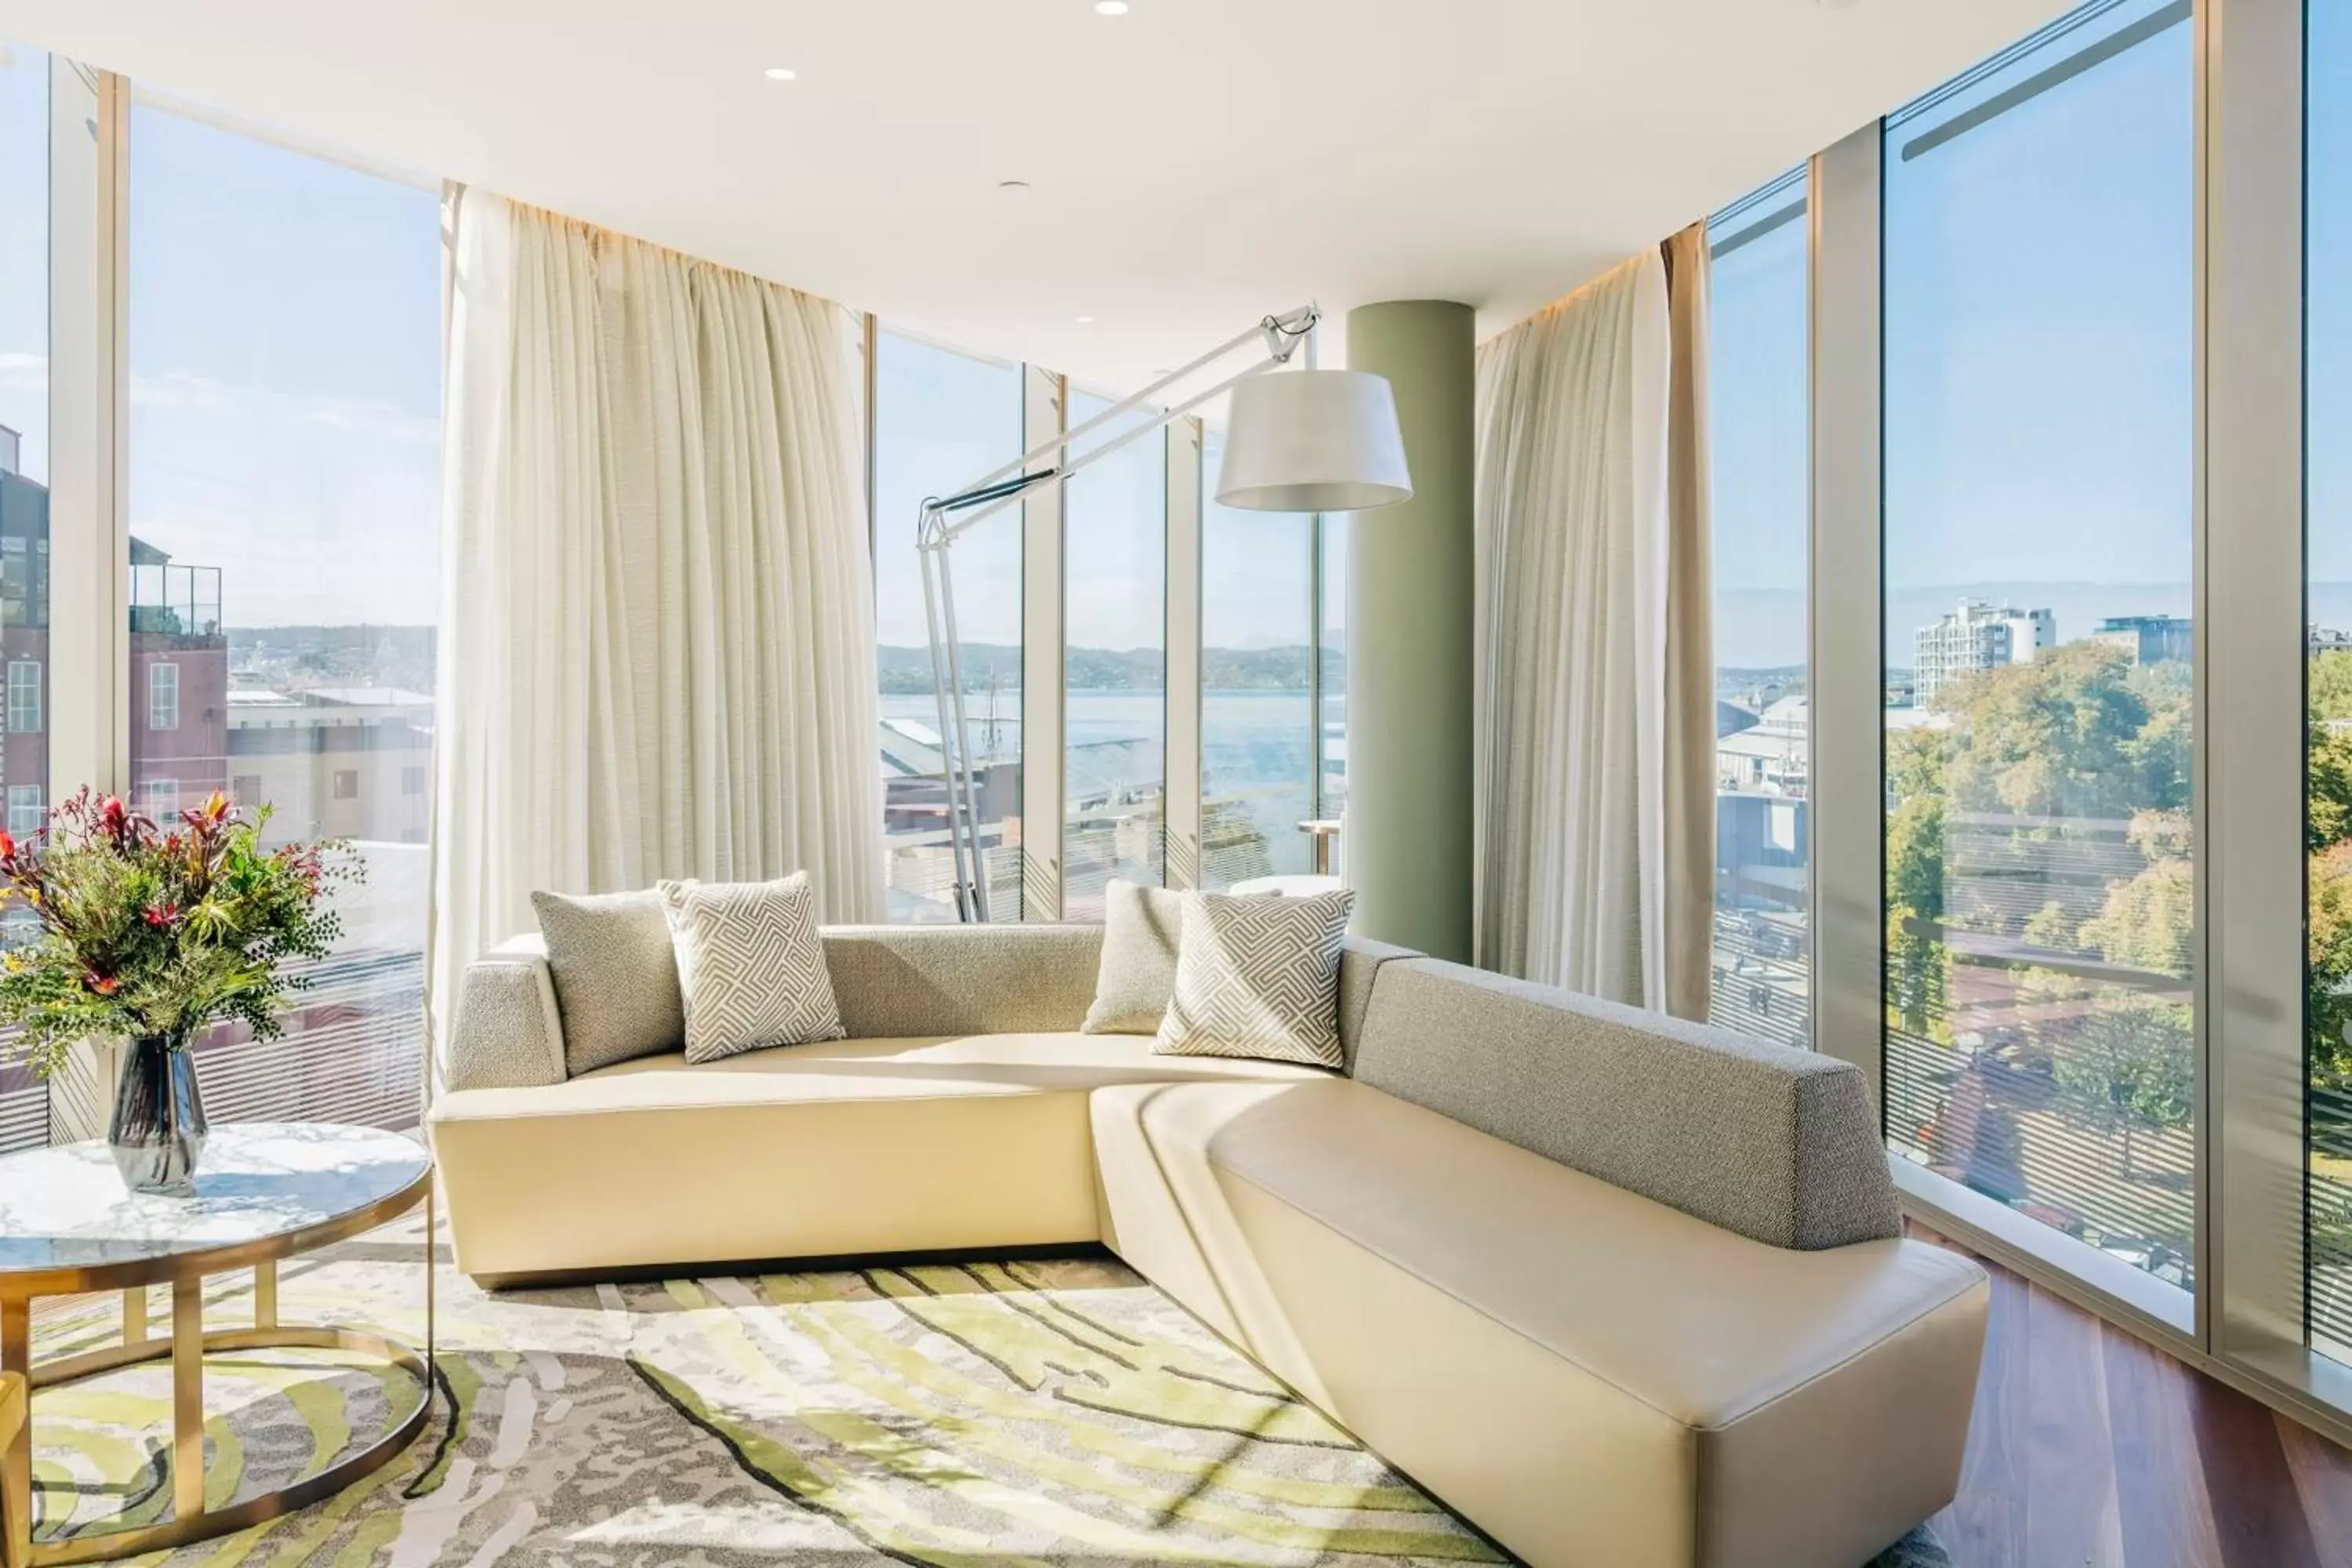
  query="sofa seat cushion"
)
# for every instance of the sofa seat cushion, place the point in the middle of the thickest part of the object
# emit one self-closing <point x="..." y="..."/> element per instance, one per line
<point x="835" y="1149"/>
<point x="1593" y="1375"/>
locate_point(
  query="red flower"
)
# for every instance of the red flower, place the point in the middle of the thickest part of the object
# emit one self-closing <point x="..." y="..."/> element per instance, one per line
<point x="104" y="984"/>
<point x="163" y="916"/>
<point x="7" y="847"/>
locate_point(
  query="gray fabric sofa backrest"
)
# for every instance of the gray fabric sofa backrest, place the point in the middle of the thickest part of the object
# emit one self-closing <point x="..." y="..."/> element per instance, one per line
<point x="1776" y="1144"/>
<point x="913" y="982"/>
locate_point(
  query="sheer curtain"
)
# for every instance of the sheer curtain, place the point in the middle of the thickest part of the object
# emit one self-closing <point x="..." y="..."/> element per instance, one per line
<point x="1574" y="562"/>
<point x="657" y="598"/>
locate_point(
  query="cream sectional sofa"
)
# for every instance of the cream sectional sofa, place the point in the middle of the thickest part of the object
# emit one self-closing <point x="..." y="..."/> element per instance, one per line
<point x="1622" y="1290"/>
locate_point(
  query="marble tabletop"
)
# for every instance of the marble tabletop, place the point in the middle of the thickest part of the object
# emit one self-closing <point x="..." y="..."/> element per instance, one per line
<point x="66" y="1208"/>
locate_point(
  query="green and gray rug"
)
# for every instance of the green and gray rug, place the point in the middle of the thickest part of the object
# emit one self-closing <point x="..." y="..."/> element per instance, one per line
<point x="992" y="1413"/>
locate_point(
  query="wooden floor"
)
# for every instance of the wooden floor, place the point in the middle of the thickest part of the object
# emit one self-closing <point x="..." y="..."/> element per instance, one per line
<point x="2090" y="1447"/>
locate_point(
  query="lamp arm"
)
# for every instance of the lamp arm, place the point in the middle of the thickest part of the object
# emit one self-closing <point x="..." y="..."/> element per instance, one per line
<point x="993" y="492"/>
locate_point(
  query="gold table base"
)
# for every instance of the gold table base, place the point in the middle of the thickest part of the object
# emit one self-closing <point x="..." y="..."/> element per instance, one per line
<point x="186" y="1348"/>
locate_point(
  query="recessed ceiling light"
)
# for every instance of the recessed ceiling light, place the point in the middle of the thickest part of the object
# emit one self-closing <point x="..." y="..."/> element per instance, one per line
<point x="781" y="73"/>
<point x="1084" y="320"/>
<point x="1111" y="7"/>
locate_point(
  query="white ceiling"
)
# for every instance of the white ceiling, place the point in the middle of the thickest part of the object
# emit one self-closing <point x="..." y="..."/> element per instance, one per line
<point x="1195" y="163"/>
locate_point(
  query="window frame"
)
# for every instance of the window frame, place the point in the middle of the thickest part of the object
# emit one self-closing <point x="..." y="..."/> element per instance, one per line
<point x="24" y="695"/>
<point x="164" y="695"/>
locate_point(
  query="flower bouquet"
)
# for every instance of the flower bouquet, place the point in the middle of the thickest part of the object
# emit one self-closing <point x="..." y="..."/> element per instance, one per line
<point x="125" y="927"/>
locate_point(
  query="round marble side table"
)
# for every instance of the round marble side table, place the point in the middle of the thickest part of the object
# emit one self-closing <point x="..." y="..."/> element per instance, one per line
<point x="265" y="1191"/>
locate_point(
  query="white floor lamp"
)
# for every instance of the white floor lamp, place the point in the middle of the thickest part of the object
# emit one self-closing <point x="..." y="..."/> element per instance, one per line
<point x="1305" y="439"/>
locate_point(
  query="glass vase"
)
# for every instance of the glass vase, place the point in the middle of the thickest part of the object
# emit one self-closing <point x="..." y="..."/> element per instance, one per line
<point x="157" y="1133"/>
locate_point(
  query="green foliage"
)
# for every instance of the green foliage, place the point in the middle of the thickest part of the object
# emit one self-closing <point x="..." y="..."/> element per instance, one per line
<point x="149" y="929"/>
<point x="1916" y="964"/>
<point x="2149" y="922"/>
<point x="2077" y="731"/>
<point x="2132" y="1057"/>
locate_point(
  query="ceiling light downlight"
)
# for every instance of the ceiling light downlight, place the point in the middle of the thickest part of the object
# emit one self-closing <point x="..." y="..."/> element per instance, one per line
<point x="1111" y="7"/>
<point x="781" y="73"/>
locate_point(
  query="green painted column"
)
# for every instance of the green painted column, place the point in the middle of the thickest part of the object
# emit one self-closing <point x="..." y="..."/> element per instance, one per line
<point x="1409" y="611"/>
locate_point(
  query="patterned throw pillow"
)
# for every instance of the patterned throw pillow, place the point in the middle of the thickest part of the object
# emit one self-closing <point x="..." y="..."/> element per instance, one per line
<point x="1259" y="977"/>
<point x="750" y="966"/>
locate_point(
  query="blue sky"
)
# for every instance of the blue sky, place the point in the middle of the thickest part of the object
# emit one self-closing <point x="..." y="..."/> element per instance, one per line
<point x="2037" y="330"/>
<point x="285" y="360"/>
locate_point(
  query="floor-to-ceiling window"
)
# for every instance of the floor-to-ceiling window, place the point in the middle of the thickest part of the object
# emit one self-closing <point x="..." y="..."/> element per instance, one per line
<point x="24" y="497"/>
<point x="942" y="419"/>
<point x="1115" y="662"/>
<point x="2328" y="543"/>
<point x="2038" y="331"/>
<point x="1257" y="697"/>
<point x="1331" y="800"/>
<point x="284" y="417"/>
<point x="1759" y="379"/>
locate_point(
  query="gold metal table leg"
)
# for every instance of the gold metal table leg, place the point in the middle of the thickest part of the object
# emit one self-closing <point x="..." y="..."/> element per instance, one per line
<point x="17" y="1462"/>
<point x="134" y="1315"/>
<point x="265" y="1294"/>
<point x="187" y="1399"/>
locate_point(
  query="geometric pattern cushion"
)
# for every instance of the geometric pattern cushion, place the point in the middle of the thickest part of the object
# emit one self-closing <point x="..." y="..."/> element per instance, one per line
<point x="750" y="966"/>
<point x="1259" y="977"/>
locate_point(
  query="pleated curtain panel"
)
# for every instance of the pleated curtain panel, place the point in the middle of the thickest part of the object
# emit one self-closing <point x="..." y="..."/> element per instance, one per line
<point x="1595" y="792"/>
<point x="656" y="609"/>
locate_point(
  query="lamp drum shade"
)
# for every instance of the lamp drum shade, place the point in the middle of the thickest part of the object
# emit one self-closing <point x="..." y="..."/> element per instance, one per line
<point x="1313" y="440"/>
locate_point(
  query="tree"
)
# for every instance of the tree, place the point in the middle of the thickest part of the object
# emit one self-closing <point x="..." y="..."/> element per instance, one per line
<point x="1916" y="763"/>
<point x="2069" y="735"/>
<point x="2132" y="1059"/>
<point x="2149" y="922"/>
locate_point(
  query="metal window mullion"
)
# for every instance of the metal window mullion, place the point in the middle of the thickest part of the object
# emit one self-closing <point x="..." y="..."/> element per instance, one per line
<point x="1184" y="665"/>
<point x="2250" y="671"/>
<point x="1847" y="662"/>
<point x="90" y="538"/>
<point x="1045" y="399"/>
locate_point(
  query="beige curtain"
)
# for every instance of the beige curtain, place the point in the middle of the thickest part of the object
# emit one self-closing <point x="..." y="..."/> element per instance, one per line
<point x="656" y="639"/>
<point x="1574" y="560"/>
<point x="1690" y="637"/>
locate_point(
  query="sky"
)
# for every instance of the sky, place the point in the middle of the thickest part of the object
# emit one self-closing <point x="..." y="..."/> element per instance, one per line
<point x="284" y="358"/>
<point x="2039" y="321"/>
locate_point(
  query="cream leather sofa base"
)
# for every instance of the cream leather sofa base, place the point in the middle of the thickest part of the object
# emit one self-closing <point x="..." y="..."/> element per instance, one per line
<point x="846" y="1148"/>
<point x="1595" y="1378"/>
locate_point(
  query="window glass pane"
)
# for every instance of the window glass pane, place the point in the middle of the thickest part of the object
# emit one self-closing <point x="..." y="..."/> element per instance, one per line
<point x="941" y="420"/>
<point x="1758" y="370"/>
<point x="2328" y="382"/>
<point x="285" y="337"/>
<point x="1115" y="567"/>
<point x="24" y="498"/>
<point x="2037" y="441"/>
<point x="1257" y="702"/>
<point x="1333" y="805"/>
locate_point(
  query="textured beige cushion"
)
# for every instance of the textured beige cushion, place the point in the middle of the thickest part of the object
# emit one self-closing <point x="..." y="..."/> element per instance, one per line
<point x="750" y="967"/>
<point x="1259" y="977"/>
<point x="615" y="976"/>
<point x="839" y="1147"/>
<point x="1595" y="1379"/>
<point x="1142" y="932"/>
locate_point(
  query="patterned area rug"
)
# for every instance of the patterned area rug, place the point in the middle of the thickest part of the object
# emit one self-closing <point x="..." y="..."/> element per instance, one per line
<point x="1059" y="1412"/>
